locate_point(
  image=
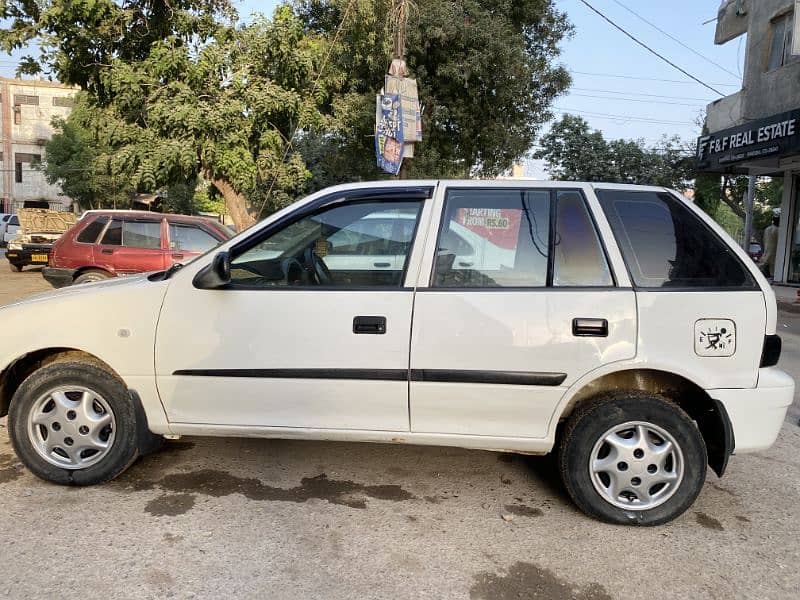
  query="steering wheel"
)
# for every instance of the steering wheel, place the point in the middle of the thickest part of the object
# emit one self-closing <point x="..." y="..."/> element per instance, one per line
<point x="318" y="266"/>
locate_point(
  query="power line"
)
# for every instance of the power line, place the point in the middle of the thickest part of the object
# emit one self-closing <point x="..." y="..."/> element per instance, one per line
<point x="640" y="94"/>
<point x="621" y="117"/>
<point x="682" y="81"/>
<point x="643" y="100"/>
<point x="676" y="40"/>
<point x="649" y="49"/>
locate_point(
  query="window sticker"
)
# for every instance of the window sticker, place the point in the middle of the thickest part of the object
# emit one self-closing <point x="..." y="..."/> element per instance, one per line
<point x="498" y="225"/>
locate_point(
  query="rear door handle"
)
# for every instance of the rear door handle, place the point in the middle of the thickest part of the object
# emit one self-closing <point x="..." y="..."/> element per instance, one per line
<point x="370" y="325"/>
<point x="177" y="256"/>
<point x="107" y="251"/>
<point x="382" y="265"/>
<point x="590" y="327"/>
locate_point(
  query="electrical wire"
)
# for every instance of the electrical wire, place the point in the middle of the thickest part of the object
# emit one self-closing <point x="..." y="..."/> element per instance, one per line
<point x="626" y="93"/>
<point x="649" y="49"/>
<point x="644" y="100"/>
<point x="621" y="117"/>
<point x="676" y="40"/>
<point x="617" y="76"/>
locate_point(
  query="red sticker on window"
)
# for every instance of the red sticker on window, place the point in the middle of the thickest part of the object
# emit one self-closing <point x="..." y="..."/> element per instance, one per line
<point x="498" y="225"/>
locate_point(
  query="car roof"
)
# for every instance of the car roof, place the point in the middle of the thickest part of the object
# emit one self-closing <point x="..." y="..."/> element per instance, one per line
<point x="146" y="214"/>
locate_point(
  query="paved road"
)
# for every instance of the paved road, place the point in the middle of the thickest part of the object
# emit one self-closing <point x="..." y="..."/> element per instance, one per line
<point x="217" y="518"/>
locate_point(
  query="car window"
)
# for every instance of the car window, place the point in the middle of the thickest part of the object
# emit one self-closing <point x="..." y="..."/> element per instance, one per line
<point x="141" y="234"/>
<point x="335" y="247"/>
<point x="92" y="231"/>
<point x="190" y="238"/>
<point x="579" y="259"/>
<point x="113" y="234"/>
<point x="14" y="221"/>
<point x="666" y="245"/>
<point x="493" y="238"/>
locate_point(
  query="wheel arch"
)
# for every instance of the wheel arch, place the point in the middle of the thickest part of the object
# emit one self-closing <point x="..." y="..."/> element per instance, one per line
<point x="709" y="414"/>
<point x="81" y="270"/>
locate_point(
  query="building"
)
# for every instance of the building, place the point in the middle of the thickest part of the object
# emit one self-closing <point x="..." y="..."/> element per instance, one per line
<point x="756" y="131"/>
<point x="27" y="108"/>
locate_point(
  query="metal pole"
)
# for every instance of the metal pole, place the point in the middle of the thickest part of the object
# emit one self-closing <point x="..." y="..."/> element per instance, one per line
<point x="748" y="212"/>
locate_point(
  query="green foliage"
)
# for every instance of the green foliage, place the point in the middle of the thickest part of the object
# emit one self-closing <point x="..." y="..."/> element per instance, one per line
<point x="574" y="152"/>
<point x="486" y="74"/>
<point x="177" y="91"/>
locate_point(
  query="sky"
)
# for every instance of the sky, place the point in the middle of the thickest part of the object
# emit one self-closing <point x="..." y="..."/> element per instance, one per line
<point x="615" y="81"/>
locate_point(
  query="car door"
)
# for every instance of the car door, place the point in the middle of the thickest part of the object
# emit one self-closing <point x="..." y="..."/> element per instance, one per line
<point x="286" y="345"/>
<point x="132" y="244"/>
<point x="498" y="337"/>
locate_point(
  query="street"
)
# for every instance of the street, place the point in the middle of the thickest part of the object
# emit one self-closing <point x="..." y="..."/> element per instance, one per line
<point x="219" y="518"/>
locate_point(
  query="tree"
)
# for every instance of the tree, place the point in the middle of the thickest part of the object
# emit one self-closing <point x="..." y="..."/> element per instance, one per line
<point x="486" y="71"/>
<point x="574" y="152"/>
<point x="182" y="92"/>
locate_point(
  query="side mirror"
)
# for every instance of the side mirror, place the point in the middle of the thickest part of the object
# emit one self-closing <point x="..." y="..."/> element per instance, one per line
<point x="215" y="275"/>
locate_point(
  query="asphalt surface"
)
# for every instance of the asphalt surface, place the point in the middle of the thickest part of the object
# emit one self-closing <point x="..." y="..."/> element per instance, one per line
<point x="225" y="518"/>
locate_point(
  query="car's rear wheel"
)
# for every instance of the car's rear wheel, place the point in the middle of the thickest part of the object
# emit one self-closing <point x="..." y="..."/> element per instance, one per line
<point x="15" y="268"/>
<point x="93" y="275"/>
<point x="73" y="423"/>
<point x="632" y="458"/>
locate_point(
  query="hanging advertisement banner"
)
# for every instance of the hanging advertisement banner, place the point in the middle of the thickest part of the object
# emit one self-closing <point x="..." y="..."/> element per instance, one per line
<point x="389" y="142"/>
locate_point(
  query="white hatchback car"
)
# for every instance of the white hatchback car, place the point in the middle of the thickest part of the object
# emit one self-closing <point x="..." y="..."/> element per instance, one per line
<point x="616" y="325"/>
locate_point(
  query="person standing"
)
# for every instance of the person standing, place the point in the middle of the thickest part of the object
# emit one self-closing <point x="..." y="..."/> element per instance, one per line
<point x="770" y="248"/>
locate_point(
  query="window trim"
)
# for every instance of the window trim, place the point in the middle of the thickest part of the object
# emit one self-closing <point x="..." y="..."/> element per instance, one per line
<point x="708" y="228"/>
<point x="350" y="197"/>
<point x="550" y="243"/>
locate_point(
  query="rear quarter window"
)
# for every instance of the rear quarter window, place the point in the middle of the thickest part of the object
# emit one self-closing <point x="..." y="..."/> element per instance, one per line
<point x="92" y="231"/>
<point x="665" y="245"/>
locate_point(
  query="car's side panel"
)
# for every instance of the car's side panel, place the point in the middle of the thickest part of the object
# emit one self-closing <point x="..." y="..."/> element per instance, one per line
<point x="509" y="331"/>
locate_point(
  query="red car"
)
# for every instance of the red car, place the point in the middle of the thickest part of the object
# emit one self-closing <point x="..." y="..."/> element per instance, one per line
<point x="108" y="243"/>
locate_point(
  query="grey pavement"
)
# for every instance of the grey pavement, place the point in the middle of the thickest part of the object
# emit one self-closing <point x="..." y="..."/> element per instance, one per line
<point x="225" y="518"/>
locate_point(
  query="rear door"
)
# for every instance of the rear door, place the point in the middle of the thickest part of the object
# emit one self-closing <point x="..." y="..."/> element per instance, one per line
<point x="187" y="240"/>
<point x="132" y="245"/>
<point x="501" y="332"/>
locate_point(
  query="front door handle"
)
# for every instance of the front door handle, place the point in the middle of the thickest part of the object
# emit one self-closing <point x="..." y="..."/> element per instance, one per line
<point x="177" y="256"/>
<point x="371" y="325"/>
<point x="107" y="251"/>
<point x="382" y="265"/>
<point x="590" y="327"/>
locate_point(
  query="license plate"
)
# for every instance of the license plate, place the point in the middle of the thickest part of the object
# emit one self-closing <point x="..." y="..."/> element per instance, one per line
<point x="42" y="258"/>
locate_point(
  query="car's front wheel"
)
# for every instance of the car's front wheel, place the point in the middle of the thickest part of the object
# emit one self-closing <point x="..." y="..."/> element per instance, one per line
<point x="632" y="458"/>
<point x="90" y="276"/>
<point x="73" y="423"/>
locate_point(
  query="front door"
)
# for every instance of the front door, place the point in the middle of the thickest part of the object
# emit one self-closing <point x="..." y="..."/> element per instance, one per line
<point x="298" y="340"/>
<point x="506" y="324"/>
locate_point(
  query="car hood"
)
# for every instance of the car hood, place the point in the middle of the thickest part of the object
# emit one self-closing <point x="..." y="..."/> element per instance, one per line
<point x="40" y="220"/>
<point x="85" y="289"/>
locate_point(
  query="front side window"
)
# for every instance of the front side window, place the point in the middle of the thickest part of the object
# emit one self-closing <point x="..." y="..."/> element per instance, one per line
<point x="493" y="238"/>
<point x="190" y="238"/>
<point x="666" y="245"/>
<point x="14" y="222"/>
<point x="362" y="244"/>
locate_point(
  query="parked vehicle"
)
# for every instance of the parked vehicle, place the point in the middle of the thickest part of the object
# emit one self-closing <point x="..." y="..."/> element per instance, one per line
<point x="11" y="229"/>
<point x="4" y="219"/>
<point x="755" y="251"/>
<point x="621" y="328"/>
<point x="38" y="231"/>
<point x="106" y="244"/>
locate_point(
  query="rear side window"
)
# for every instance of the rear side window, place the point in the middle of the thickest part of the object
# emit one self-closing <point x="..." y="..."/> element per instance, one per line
<point x="494" y="238"/>
<point x="92" y="231"/>
<point x="142" y="234"/>
<point x="666" y="245"/>
<point x="14" y="221"/>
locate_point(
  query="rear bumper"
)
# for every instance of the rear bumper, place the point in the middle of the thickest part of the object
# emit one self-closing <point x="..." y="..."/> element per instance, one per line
<point x="26" y="256"/>
<point x="757" y="414"/>
<point x="58" y="277"/>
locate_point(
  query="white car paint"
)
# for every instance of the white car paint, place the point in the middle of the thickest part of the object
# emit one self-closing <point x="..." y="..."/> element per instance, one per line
<point x="498" y="330"/>
<point x="10" y="230"/>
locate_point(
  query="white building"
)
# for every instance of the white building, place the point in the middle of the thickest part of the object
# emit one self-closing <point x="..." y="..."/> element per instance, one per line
<point x="27" y="108"/>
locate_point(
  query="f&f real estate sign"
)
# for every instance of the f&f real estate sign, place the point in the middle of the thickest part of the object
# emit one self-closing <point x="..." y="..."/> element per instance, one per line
<point x="774" y="136"/>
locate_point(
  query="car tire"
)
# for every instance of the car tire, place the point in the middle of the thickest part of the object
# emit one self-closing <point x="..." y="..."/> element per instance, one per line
<point x="15" y="268"/>
<point x="632" y="458"/>
<point x="106" y="416"/>
<point x="89" y="276"/>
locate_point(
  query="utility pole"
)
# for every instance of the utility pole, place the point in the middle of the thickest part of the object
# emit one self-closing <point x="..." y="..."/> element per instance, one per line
<point x="748" y="212"/>
<point x="398" y="67"/>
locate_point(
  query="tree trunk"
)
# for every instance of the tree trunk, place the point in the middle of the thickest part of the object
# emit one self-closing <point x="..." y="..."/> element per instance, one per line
<point x="235" y="204"/>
